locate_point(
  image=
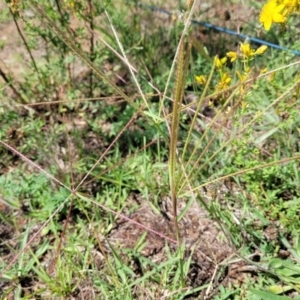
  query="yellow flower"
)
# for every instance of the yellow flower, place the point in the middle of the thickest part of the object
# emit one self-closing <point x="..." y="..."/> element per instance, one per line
<point x="224" y="83"/>
<point x="220" y="62"/>
<point x="246" y="50"/>
<point x="201" y="79"/>
<point x="262" y="49"/>
<point x="291" y="5"/>
<point x="232" y="55"/>
<point x="225" y="78"/>
<point x="270" y="13"/>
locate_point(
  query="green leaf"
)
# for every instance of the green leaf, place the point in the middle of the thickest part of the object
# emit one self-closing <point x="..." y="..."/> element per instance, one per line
<point x="268" y="296"/>
<point x="279" y="289"/>
<point x="265" y="136"/>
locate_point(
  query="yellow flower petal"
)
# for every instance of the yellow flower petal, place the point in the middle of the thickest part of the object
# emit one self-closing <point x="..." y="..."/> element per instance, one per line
<point x="232" y="55"/>
<point x="220" y="62"/>
<point x="225" y="78"/>
<point x="201" y="79"/>
<point x="224" y="60"/>
<point x="262" y="49"/>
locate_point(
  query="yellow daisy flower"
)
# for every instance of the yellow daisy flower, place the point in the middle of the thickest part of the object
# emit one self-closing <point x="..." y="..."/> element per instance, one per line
<point x="270" y="13"/>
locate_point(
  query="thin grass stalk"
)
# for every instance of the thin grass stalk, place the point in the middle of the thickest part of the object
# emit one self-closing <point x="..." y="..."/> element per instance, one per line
<point x="111" y="100"/>
<point x="187" y="54"/>
<point x="178" y="95"/>
<point x="184" y="33"/>
<point x="92" y="43"/>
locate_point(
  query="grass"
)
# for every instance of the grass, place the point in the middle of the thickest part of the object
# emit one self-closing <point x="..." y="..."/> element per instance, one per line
<point x="123" y="178"/>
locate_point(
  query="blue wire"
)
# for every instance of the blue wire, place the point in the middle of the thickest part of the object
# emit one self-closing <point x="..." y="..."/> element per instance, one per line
<point x="222" y="29"/>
